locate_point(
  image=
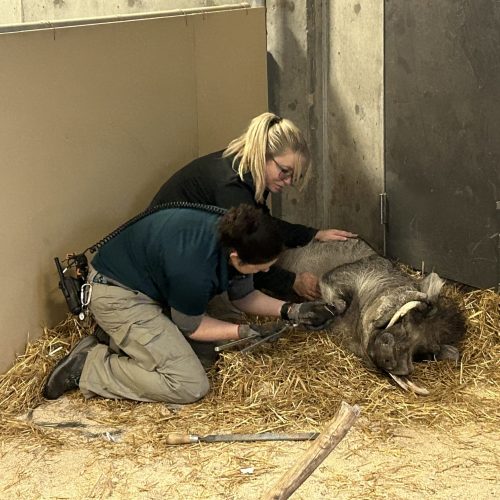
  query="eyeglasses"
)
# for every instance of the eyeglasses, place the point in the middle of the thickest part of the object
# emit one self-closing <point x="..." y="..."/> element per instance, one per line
<point x="284" y="172"/>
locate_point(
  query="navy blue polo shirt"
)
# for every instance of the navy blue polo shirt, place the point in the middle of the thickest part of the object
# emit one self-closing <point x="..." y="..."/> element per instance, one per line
<point x="173" y="256"/>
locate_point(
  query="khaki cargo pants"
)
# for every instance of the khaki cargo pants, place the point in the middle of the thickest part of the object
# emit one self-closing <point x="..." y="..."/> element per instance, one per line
<point x="158" y="364"/>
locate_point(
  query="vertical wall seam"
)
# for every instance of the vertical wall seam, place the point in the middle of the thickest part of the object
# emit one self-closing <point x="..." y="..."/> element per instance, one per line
<point x="325" y="186"/>
<point x="384" y="146"/>
<point x="195" y="72"/>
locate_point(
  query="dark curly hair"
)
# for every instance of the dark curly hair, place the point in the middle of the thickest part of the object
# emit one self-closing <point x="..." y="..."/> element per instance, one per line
<point x="252" y="233"/>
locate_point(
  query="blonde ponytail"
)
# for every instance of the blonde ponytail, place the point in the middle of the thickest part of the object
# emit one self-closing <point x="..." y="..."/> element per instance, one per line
<point x="267" y="136"/>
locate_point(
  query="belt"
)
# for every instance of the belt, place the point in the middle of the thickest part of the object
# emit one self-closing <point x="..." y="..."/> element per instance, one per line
<point x="102" y="280"/>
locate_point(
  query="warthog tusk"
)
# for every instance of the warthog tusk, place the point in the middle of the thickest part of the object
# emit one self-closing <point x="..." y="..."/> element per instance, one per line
<point x="399" y="381"/>
<point x="422" y="391"/>
<point x="403" y="310"/>
<point x="408" y="385"/>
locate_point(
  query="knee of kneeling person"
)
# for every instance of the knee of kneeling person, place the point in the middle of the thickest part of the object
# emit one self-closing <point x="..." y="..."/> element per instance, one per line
<point x="189" y="390"/>
<point x="196" y="390"/>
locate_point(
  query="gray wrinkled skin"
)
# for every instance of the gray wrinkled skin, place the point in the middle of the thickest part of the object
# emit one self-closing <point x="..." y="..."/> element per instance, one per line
<point x="367" y="289"/>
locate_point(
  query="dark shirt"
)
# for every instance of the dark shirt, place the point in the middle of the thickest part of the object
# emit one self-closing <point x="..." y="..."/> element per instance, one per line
<point x="211" y="180"/>
<point x="173" y="256"/>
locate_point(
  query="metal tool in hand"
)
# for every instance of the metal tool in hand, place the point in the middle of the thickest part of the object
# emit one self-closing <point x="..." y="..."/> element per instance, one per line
<point x="256" y="340"/>
<point x="179" y="438"/>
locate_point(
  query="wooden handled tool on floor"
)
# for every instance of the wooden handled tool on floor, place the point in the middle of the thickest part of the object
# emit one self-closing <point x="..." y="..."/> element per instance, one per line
<point x="178" y="438"/>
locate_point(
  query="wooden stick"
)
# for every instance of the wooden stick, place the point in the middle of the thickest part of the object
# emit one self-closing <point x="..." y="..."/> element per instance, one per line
<point x="334" y="432"/>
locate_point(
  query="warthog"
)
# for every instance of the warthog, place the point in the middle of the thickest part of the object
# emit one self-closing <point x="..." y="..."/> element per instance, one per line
<point x="386" y="317"/>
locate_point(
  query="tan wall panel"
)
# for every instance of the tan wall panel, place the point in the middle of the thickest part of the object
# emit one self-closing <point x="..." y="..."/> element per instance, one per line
<point x="233" y="84"/>
<point x="92" y="120"/>
<point x="86" y="132"/>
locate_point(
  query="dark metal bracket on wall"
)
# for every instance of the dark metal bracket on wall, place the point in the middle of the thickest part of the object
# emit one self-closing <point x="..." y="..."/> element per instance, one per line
<point x="383" y="220"/>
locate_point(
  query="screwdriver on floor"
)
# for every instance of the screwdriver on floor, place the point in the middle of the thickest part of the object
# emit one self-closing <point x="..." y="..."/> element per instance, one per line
<point x="179" y="438"/>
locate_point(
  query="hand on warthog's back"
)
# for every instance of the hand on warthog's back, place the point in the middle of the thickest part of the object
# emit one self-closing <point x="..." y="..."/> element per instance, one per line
<point x="334" y="235"/>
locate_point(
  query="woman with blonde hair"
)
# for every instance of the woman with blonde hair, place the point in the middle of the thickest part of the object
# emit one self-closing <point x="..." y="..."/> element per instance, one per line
<point x="269" y="156"/>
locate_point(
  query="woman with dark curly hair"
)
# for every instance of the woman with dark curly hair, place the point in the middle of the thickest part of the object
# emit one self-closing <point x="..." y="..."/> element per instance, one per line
<point x="151" y="284"/>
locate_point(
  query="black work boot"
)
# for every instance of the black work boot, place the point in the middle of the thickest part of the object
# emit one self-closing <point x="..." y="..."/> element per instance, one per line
<point x="66" y="374"/>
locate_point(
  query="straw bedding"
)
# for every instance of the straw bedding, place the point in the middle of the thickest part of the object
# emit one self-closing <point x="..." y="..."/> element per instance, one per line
<point x="295" y="384"/>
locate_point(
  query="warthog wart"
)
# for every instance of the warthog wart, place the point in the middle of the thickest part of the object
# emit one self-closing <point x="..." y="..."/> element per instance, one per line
<point x="386" y="317"/>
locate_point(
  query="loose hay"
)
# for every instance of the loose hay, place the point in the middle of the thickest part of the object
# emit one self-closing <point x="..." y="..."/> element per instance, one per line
<point x="295" y="384"/>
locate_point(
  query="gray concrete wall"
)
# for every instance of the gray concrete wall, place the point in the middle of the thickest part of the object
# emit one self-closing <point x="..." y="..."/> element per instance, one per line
<point x="24" y="11"/>
<point x="292" y="94"/>
<point x="355" y="117"/>
<point x="325" y="67"/>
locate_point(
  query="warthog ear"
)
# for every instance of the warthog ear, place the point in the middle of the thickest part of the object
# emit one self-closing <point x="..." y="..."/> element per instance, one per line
<point x="431" y="285"/>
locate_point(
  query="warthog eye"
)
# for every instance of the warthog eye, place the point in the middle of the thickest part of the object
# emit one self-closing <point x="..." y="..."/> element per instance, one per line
<point x="432" y="312"/>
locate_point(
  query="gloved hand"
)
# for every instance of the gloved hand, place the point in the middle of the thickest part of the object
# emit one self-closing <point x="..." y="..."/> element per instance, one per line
<point x="313" y="315"/>
<point x="259" y="331"/>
